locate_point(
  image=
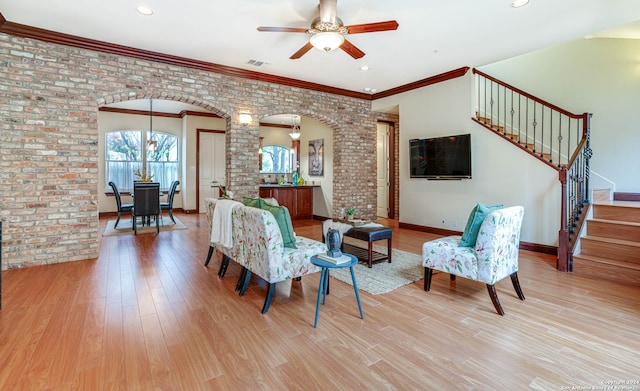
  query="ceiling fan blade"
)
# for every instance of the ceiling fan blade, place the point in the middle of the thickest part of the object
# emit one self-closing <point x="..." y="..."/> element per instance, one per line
<point x="372" y="27"/>
<point x="328" y="11"/>
<point x="302" y="51"/>
<point x="351" y="50"/>
<point x="282" y="29"/>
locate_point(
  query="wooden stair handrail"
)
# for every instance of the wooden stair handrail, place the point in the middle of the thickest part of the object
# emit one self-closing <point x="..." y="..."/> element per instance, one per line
<point x="577" y="152"/>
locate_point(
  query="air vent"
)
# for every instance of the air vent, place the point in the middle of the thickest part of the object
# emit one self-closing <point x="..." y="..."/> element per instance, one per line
<point x="257" y="63"/>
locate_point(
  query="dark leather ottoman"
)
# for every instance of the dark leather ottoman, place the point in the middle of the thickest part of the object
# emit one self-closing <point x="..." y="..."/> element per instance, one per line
<point x="370" y="235"/>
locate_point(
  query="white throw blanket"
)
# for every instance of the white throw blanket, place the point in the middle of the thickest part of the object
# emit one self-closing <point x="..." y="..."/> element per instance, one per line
<point x="343" y="227"/>
<point x="221" y="223"/>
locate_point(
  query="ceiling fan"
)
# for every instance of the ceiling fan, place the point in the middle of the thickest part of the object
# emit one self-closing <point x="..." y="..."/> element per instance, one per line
<point x="328" y="32"/>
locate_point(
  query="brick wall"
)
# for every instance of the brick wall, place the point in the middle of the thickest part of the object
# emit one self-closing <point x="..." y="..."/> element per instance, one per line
<point x="49" y="97"/>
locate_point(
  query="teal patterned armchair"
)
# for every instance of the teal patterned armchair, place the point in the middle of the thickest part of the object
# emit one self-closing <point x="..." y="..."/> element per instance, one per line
<point x="494" y="257"/>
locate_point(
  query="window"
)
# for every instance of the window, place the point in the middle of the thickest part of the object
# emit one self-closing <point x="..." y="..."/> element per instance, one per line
<point x="126" y="153"/>
<point x="276" y="159"/>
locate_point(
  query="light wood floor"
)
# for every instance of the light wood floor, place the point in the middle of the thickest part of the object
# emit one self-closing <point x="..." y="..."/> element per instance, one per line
<point x="148" y="315"/>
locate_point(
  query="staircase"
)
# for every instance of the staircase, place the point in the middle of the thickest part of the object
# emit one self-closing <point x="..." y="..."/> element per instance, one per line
<point x="556" y="137"/>
<point x="528" y="146"/>
<point x="611" y="247"/>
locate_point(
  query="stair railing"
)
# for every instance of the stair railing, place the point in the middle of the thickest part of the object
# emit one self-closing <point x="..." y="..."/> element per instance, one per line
<point x="555" y="136"/>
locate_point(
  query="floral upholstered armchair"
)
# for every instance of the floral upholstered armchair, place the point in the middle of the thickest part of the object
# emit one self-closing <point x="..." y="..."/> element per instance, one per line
<point x="266" y="255"/>
<point x="494" y="256"/>
<point x="259" y="247"/>
<point x="235" y="251"/>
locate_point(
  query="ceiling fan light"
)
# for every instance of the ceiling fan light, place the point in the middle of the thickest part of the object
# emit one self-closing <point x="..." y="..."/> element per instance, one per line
<point x="326" y="41"/>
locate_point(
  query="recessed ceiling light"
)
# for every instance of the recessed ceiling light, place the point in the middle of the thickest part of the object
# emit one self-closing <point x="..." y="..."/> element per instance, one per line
<point x="364" y="68"/>
<point x="519" y="3"/>
<point x="145" y="10"/>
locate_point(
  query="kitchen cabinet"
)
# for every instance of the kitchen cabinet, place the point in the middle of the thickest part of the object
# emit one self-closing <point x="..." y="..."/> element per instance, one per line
<point x="298" y="199"/>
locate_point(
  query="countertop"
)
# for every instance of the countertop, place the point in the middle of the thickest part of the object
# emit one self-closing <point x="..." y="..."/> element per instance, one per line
<point x="286" y="185"/>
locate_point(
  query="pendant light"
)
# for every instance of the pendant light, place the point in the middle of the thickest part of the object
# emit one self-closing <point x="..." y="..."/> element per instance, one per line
<point x="152" y="145"/>
<point x="295" y="128"/>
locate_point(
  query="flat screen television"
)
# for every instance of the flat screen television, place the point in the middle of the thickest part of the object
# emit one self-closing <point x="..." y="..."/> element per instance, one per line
<point x="441" y="157"/>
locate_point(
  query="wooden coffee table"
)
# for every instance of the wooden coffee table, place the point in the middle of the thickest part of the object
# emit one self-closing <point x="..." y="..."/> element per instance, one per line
<point x="369" y="235"/>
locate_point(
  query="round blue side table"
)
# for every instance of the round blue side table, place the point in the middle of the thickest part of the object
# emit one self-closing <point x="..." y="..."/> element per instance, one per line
<point x="324" y="280"/>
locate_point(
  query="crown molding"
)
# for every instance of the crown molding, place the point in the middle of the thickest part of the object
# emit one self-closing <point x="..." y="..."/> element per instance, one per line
<point x="422" y="83"/>
<point x="25" y="31"/>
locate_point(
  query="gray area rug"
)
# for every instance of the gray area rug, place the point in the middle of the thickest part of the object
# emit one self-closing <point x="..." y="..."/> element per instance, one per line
<point x="383" y="277"/>
<point x="125" y="228"/>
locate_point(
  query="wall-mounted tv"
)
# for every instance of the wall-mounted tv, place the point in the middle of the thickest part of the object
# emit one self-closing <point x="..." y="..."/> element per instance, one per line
<point x="440" y="157"/>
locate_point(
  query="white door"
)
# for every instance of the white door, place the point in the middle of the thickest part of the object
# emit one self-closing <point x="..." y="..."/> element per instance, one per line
<point x="212" y="170"/>
<point x="382" y="179"/>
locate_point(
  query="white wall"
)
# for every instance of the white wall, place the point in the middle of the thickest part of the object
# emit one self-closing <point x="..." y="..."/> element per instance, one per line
<point x="600" y="76"/>
<point x="322" y="196"/>
<point x="501" y="172"/>
<point x="184" y="128"/>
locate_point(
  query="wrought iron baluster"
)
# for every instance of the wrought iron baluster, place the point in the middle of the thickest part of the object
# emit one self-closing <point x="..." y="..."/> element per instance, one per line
<point x="491" y="104"/>
<point x="542" y="133"/>
<point x="535" y="124"/>
<point x="519" y="118"/>
<point x="512" y="113"/>
<point x="497" y="125"/>
<point x="478" y="102"/>
<point x="559" y="138"/>
<point x="485" y="101"/>
<point x="504" y="121"/>
<point x="526" y="145"/>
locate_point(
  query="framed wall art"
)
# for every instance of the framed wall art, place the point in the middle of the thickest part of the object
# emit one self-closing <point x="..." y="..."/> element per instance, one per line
<point x="316" y="157"/>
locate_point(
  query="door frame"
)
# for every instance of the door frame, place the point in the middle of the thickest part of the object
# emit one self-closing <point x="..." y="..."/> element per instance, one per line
<point x="197" y="189"/>
<point x="393" y="164"/>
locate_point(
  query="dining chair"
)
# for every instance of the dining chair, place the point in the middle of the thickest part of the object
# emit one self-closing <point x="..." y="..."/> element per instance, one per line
<point x="146" y="203"/>
<point x="168" y="205"/>
<point x="121" y="207"/>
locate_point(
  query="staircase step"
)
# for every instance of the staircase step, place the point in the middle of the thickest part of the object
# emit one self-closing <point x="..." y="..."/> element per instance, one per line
<point x="605" y="269"/>
<point x="609" y="211"/>
<point x="515" y="137"/>
<point x="611" y="262"/>
<point x="512" y="136"/>
<point x="612" y="249"/>
<point x="614" y="229"/>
